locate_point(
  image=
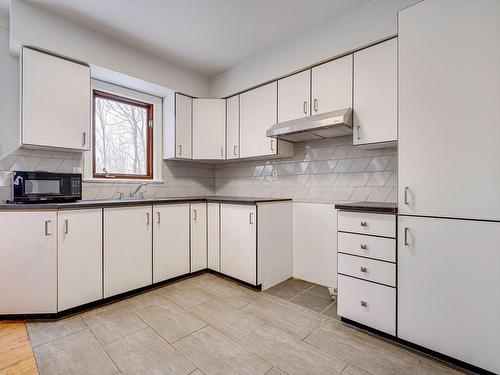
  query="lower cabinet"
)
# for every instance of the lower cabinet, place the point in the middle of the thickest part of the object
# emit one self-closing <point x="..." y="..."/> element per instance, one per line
<point x="448" y="287"/>
<point x="79" y="257"/>
<point x="170" y="241"/>
<point x="127" y="249"/>
<point x="198" y="236"/>
<point x="213" y="234"/>
<point x="28" y="262"/>
<point x="238" y="255"/>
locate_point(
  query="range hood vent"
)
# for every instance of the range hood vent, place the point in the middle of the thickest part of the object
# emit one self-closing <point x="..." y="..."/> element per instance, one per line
<point x="326" y="125"/>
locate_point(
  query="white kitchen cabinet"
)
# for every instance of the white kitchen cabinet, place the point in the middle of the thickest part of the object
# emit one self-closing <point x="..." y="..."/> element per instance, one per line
<point x="198" y="236"/>
<point x="441" y="264"/>
<point x="258" y="112"/>
<point x="209" y="129"/>
<point x="294" y="93"/>
<point x="79" y="257"/>
<point x="55" y="102"/>
<point x="127" y="249"/>
<point x="170" y="241"/>
<point x="238" y="256"/>
<point x="183" y="126"/>
<point x="233" y="127"/>
<point x="28" y="262"/>
<point x="213" y="234"/>
<point x="375" y="94"/>
<point x="332" y="85"/>
<point x="449" y="152"/>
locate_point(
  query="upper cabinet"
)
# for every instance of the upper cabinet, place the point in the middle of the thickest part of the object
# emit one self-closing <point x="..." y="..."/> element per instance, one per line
<point x="258" y="112"/>
<point x="375" y="94"/>
<point x="183" y="126"/>
<point x="55" y="102"/>
<point x="332" y="86"/>
<point x="209" y="128"/>
<point x="294" y="94"/>
<point x="233" y="127"/>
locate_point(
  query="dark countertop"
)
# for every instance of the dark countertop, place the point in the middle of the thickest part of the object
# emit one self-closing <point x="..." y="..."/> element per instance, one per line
<point x="372" y="207"/>
<point x="138" y="202"/>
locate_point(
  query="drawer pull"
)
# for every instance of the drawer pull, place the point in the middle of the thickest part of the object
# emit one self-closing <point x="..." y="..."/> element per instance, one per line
<point x="363" y="269"/>
<point x="364" y="304"/>
<point x="364" y="247"/>
<point x="364" y="224"/>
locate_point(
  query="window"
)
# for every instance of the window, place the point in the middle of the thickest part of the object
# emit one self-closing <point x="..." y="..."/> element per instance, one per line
<point x="122" y="137"/>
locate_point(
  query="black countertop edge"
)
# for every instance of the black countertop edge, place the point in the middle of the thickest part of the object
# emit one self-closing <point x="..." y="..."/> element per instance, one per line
<point x="139" y="202"/>
<point x="371" y="207"/>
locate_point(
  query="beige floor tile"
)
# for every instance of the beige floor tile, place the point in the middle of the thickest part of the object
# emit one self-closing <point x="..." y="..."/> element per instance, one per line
<point x="42" y="332"/>
<point x="427" y="367"/>
<point x="274" y="314"/>
<point x="140" y="301"/>
<point x="228" y="320"/>
<point x="186" y="293"/>
<point x="352" y="370"/>
<point x="276" y="371"/>
<point x="112" y="322"/>
<point x="331" y="311"/>
<point x="289" y="288"/>
<point x="312" y="301"/>
<point x="291" y="354"/>
<point x="144" y="352"/>
<point x="320" y="290"/>
<point x="79" y="353"/>
<point x="214" y="353"/>
<point x="171" y="321"/>
<point x="196" y="372"/>
<point x="374" y="356"/>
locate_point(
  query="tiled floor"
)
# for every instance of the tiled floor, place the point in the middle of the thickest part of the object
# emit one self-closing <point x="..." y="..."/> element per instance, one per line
<point x="210" y="325"/>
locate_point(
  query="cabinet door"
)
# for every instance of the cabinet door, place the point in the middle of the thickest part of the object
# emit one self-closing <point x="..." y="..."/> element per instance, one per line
<point x="214" y="236"/>
<point x="257" y="114"/>
<point x="55" y="101"/>
<point x="198" y="237"/>
<point x="127" y="249"/>
<point x="79" y="257"/>
<point x="449" y="153"/>
<point x="28" y="262"/>
<point x="170" y="241"/>
<point x="332" y="85"/>
<point x="375" y="94"/>
<point x="294" y="94"/>
<point x="441" y="263"/>
<point x="209" y="128"/>
<point x="233" y="127"/>
<point x="238" y="242"/>
<point x="183" y="126"/>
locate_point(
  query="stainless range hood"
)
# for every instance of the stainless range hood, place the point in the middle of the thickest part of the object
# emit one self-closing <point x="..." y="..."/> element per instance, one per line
<point x="326" y="125"/>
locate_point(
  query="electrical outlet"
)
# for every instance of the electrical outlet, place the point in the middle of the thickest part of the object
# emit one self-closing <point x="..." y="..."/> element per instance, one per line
<point x="275" y="174"/>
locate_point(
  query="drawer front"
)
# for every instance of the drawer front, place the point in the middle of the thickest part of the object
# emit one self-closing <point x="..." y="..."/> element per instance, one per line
<point x="368" y="269"/>
<point x="367" y="246"/>
<point x="367" y="303"/>
<point x="373" y="224"/>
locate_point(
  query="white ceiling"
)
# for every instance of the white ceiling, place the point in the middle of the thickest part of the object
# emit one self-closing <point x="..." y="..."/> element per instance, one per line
<point x="207" y="36"/>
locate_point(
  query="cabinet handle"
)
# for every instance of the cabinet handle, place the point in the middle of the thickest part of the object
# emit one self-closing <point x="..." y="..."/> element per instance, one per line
<point x="234" y="150"/>
<point x="180" y="150"/>
<point x="364" y="224"/>
<point x="363" y="269"/>
<point x="364" y="304"/>
<point x="250" y="218"/>
<point x="158" y="220"/>
<point x="357" y="130"/>
<point x="222" y="152"/>
<point x="305" y="107"/>
<point x="147" y="218"/>
<point x="272" y="144"/>
<point x="84" y="138"/>
<point x="195" y="216"/>
<point x="315" y="105"/>
<point x="47" y="222"/>
<point x="66" y="226"/>
<point x="406" y="236"/>
<point x="406" y="195"/>
<point x="364" y="247"/>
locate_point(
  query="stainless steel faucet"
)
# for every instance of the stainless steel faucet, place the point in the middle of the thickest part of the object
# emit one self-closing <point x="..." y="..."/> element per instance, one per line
<point x="134" y="192"/>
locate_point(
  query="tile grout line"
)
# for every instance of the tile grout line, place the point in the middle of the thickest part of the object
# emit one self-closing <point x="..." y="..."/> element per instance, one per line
<point x="291" y="299"/>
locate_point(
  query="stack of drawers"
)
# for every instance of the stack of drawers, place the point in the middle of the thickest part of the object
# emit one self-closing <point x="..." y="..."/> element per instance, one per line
<point x="367" y="269"/>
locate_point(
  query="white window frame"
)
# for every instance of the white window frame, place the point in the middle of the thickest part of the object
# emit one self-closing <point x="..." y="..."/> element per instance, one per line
<point x="157" y="134"/>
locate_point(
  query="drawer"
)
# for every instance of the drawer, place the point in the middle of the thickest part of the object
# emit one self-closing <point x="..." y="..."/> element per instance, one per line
<point x="367" y="303"/>
<point x="367" y="246"/>
<point x="373" y="224"/>
<point x="367" y="269"/>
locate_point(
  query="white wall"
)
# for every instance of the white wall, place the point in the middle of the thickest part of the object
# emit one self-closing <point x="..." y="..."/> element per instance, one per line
<point x="371" y="23"/>
<point x="33" y="26"/>
<point x="315" y="243"/>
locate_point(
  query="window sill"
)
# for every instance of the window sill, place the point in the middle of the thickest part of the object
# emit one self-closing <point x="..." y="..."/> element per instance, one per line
<point x="121" y="181"/>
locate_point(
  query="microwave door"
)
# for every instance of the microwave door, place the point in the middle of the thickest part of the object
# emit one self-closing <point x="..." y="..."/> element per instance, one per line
<point x="42" y="187"/>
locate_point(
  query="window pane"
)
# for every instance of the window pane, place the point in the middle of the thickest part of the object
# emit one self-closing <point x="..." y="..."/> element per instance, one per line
<point x="121" y="132"/>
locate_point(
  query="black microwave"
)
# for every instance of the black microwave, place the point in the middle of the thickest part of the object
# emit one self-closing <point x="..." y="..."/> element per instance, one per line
<point x="36" y="187"/>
